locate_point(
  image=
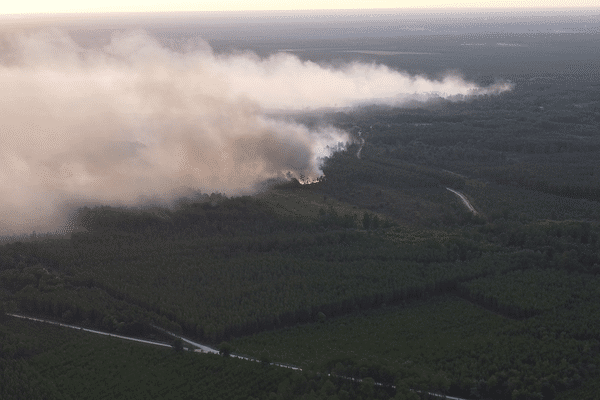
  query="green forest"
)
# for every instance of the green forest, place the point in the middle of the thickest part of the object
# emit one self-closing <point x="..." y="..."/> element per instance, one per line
<point x="375" y="280"/>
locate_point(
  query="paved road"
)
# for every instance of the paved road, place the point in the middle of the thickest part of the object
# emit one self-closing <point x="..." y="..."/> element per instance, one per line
<point x="206" y="349"/>
<point x="199" y="348"/>
<point x="91" y="330"/>
<point x="203" y="348"/>
<point x="464" y="200"/>
<point x="432" y="394"/>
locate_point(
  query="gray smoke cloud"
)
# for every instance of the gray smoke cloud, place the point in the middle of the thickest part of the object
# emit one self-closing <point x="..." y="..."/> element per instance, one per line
<point x="134" y="121"/>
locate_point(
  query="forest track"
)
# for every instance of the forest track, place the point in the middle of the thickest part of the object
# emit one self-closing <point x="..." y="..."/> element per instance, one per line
<point x="464" y="200"/>
<point x="455" y="174"/>
<point x="362" y="143"/>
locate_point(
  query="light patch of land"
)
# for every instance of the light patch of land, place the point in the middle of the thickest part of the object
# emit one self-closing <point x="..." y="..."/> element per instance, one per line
<point x="306" y="203"/>
<point x="412" y="234"/>
<point x="383" y="53"/>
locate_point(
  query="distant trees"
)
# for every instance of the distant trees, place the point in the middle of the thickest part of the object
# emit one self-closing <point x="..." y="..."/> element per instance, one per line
<point x="225" y="349"/>
<point x="265" y="360"/>
<point x="321" y="317"/>
<point x="370" y="221"/>
<point x="177" y="345"/>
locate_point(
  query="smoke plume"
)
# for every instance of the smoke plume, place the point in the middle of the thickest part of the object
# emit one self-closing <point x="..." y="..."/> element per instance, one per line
<point x="134" y="122"/>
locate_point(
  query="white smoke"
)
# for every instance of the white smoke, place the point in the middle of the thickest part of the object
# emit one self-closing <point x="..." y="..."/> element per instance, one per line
<point x="134" y="121"/>
<point x="285" y="82"/>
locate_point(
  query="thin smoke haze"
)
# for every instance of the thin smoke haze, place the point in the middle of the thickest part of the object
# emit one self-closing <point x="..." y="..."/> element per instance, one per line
<point x="134" y="121"/>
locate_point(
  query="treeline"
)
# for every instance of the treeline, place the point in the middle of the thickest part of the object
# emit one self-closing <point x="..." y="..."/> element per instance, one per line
<point x="482" y="356"/>
<point x="344" y="169"/>
<point x="573" y="246"/>
<point x="331" y="285"/>
<point x="18" y="378"/>
<point x="217" y="215"/>
<point x="229" y="284"/>
<point x="217" y="286"/>
<point x="525" y="293"/>
<point x="544" y="143"/>
<point x="45" y="362"/>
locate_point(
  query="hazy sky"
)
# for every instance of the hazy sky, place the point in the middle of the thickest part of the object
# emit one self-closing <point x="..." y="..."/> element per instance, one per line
<point x="78" y="6"/>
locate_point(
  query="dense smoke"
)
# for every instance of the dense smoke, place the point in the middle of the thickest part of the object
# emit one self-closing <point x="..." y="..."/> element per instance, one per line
<point x="134" y="122"/>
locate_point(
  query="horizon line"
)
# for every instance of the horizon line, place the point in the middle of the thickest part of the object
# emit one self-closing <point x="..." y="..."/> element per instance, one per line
<point x="309" y="11"/>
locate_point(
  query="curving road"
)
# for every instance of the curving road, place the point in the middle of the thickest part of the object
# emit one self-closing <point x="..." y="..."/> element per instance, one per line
<point x="464" y="200"/>
<point x="362" y="143"/>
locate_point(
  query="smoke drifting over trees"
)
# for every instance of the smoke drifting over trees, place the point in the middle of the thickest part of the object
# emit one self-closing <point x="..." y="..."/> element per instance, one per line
<point x="133" y="122"/>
